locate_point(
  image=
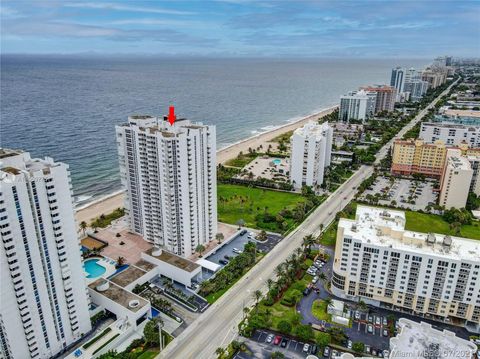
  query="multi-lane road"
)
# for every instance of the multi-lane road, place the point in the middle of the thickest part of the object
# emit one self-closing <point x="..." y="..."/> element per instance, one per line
<point x="217" y="326"/>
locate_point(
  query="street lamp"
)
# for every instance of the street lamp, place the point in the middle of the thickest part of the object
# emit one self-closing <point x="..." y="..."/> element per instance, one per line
<point x="160" y="327"/>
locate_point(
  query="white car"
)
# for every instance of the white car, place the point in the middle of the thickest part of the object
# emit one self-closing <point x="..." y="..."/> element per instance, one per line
<point x="306" y="348"/>
<point x="315" y="280"/>
<point x="269" y="338"/>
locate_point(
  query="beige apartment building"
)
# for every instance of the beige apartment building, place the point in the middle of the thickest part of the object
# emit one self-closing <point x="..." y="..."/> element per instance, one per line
<point x="456" y="180"/>
<point x="380" y="262"/>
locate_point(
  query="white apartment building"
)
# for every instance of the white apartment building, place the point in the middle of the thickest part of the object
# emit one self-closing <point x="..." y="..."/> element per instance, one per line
<point x="169" y="173"/>
<point x="451" y="134"/>
<point x="357" y="105"/>
<point x="475" y="165"/>
<point x="455" y="181"/>
<point x="311" y="154"/>
<point x="380" y="262"/>
<point x="43" y="301"/>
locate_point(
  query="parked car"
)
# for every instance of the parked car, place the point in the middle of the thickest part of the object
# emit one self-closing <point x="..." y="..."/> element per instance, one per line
<point x="334" y="353"/>
<point x="315" y="280"/>
<point x="385" y="321"/>
<point x="284" y="342"/>
<point x="349" y="344"/>
<point x="374" y="352"/>
<point x="385" y="332"/>
<point x="367" y="348"/>
<point x="370" y="328"/>
<point x="223" y="261"/>
<point x="227" y="257"/>
<point x="243" y="232"/>
<point x="277" y="340"/>
<point x="269" y="338"/>
<point x="326" y="352"/>
<point x="377" y="321"/>
<point x="370" y="319"/>
<point x="307" y="291"/>
<point x="306" y="348"/>
<point x="357" y="315"/>
<point x="314" y="349"/>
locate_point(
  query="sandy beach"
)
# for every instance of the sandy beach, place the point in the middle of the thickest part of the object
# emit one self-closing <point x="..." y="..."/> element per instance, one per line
<point x="109" y="204"/>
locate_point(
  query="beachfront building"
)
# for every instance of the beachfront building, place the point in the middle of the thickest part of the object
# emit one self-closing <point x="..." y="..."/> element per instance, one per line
<point x="380" y="262"/>
<point x="43" y="301"/>
<point x="455" y="181"/>
<point x="435" y="76"/>
<point x="311" y="154"/>
<point x="397" y="80"/>
<point x="450" y="133"/>
<point x="169" y="173"/>
<point x="385" y="97"/>
<point x="416" y="89"/>
<point x="357" y="105"/>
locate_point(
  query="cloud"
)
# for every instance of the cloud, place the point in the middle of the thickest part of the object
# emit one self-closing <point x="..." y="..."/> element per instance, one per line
<point x="124" y="7"/>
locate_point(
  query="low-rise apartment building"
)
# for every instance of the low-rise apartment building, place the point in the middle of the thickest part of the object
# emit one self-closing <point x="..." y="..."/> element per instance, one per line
<point x="380" y="262"/>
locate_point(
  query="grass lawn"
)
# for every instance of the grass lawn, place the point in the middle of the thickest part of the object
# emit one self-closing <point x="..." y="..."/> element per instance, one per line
<point x="149" y="354"/>
<point x="422" y="222"/>
<point x="319" y="310"/>
<point x="241" y="160"/>
<point x="240" y="202"/>
<point x="329" y="236"/>
<point x="279" y="312"/>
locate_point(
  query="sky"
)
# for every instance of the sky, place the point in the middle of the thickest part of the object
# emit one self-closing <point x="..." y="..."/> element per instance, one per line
<point x="236" y="28"/>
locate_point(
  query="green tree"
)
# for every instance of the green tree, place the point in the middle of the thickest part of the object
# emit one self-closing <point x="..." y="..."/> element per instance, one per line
<point x="120" y="261"/>
<point x="277" y="355"/>
<point x="240" y="223"/>
<point x="150" y="332"/>
<point x="262" y="236"/>
<point x="323" y="339"/>
<point x="304" y="332"/>
<point x="358" y="347"/>
<point x="284" y="327"/>
<point x="257" y="295"/>
<point x="200" y="249"/>
<point x="220" y="352"/>
<point x="219" y="237"/>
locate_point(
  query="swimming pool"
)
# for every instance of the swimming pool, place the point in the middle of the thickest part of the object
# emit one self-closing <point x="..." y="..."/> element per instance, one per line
<point x="93" y="269"/>
<point x="277" y="161"/>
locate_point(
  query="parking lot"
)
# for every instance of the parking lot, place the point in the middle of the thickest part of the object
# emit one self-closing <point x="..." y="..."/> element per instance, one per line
<point x="372" y="330"/>
<point x="400" y="192"/>
<point x="238" y="242"/>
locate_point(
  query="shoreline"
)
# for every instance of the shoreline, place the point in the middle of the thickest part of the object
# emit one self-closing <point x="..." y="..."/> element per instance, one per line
<point x="89" y="211"/>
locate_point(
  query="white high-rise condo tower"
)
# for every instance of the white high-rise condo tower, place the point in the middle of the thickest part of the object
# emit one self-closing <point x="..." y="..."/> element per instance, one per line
<point x="357" y="105"/>
<point x="44" y="303"/>
<point x="311" y="153"/>
<point x="169" y="173"/>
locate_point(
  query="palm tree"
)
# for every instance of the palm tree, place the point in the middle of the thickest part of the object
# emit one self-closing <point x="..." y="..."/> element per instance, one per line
<point x="270" y="283"/>
<point x="245" y="312"/>
<point x="83" y="226"/>
<point x="362" y="305"/>
<point x="328" y="301"/>
<point x="220" y="352"/>
<point x="257" y="295"/>
<point x="322" y="276"/>
<point x="307" y="243"/>
<point x="120" y="261"/>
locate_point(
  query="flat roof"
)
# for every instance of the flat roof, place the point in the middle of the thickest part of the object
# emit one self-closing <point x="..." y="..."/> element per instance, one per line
<point x="174" y="260"/>
<point x="146" y="266"/>
<point x="367" y="224"/>
<point x="420" y="340"/>
<point x="127" y="276"/>
<point x="118" y="294"/>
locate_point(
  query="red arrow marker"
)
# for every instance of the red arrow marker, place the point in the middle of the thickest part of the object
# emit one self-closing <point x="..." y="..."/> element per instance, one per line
<point x="171" y="115"/>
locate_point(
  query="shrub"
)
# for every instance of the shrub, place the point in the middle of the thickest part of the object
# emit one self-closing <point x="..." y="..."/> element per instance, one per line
<point x="284" y="327"/>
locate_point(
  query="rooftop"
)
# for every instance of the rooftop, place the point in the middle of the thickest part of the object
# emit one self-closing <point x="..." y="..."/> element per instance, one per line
<point x="5" y="152"/>
<point x="312" y="129"/>
<point x="127" y="276"/>
<point x="117" y="294"/>
<point x="174" y="260"/>
<point x="459" y="162"/>
<point x="420" y="340"/>
<point x="386" y="228"/>
<point x="146" y="266"/>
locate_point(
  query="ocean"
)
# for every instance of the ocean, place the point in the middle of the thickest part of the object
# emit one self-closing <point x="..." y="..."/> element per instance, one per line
<point x="66" y="107"/>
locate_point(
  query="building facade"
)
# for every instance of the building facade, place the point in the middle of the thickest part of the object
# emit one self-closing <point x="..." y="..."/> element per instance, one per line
<point x="455" y="181"/>
<point x="385" y="98"/>
<point x="357" y="105"/>
<point x="169" y="173"/>
<point x="44" y="303"/>
<point x="378" y="261"/>
<point x="435" y="76"/>
<point x="450" y="133"/>
<point x="416" y="156"/>
<point x="397" y="80"/>
<point x="311" y="154"/>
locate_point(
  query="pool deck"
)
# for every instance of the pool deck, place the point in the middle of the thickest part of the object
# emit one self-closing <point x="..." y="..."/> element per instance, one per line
<point x="105" y="263"/>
